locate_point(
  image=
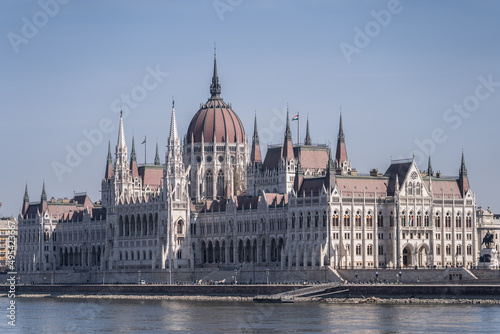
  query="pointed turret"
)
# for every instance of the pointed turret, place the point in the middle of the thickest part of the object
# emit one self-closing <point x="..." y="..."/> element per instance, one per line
<point x="308" y="136"/>
<point x="43" y="202"/>
<point x="287" y="144"/>
<point x="430" y="172"/>
<point x="330" y="173"/>
<point x="173" y="136"/>
<point x="133" y="161"/>
<point x="463" y="179"/>
<point x="342" y="164"/>
<point x="255" y="157"/>
<point x="26" y="201"/>
<point x="44" y="195"/>
<point x="215" y="86"/>
<point x="121" y="133"/>
<point x="157" y="156"/>
<point x="299" y="177"/>
<point x="108" y="174"/>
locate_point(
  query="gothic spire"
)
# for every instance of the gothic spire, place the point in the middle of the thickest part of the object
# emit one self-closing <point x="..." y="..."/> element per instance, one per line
<point x="430" y="172"/>
<point x="132" y="154"/>
<point x="110" y="157"/>
<point x="215" y="86"/>
<point x="255" y="155"/>
<point x="308" y="136"/>
<point x="341" y="161"/>
<point x="174" y="136"/>
<point x="287" y="144"/>
<point x="26" y="196"/>
<point x="44" y="195"/>
<point x="463" y="169"/>
<point x="109" y="164"/>
<point x="121" y="133"/>
<point x="157" y="156"/>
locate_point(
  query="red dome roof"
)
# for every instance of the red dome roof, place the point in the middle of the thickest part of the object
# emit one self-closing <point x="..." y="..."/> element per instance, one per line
<point x="216" y="118"/>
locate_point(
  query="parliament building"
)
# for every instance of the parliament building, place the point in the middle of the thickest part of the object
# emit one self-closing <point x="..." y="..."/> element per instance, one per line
<point x="216" y="202"/>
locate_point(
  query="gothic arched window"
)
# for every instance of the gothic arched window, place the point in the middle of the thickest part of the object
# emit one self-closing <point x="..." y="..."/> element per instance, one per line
<point x="209" y="183"/>
<point x="220" y="183"/>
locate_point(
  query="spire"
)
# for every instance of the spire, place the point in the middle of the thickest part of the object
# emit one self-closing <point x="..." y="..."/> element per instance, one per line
<point x="308" y="136"/>
<point x="44" y="195"/>
<point x="26" y="202"/>
<point x="330" y="172"/>
<point x="255" y="155"/>
<point x="463" y="169"/>
<point x="26" y="196"/>
<point x="215" y="86"/>
<point x="157" y="156"/>
<point x="110" y="157"/>
<point x="430" y="172"/>
<point x="174" y="136"/>
<point x="287" y="144"/>
<point x="121" y="133"/>
<point x="342" y="164"/>
<point x="108" y="174"/>
<point x="341" y="136"/>
<point x="463" y="179"/>
<point x="299" y="177"/>
<point x="133" y="161"/>
<point x="132" y="154"/>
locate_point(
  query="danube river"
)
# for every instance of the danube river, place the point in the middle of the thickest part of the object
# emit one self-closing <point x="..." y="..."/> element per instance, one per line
<point x="49" y="315"/>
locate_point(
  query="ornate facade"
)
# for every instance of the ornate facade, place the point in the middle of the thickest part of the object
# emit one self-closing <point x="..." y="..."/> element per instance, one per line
<point x="216" y="202"/>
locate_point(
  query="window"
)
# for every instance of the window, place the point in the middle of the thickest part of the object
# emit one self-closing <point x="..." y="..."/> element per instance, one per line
<point x="426" y="220"/>
<point x="438" y="250"/>
<point x="458" y="221"/>
<point x="357" y="220"/>
<point x="448" y="250"/>
<point x="437" y="220"/>
<point x="220" y="183"/>
<point x="347" y="220"/>
<point x="391" y="220"/>
<point x="209" y="183"/>
<point x="380" y="249"/>
<point x="180" y="227"/>
<point x="468" y="221"/>
<point x="358" y="249"/>
<point x="369" y="221"/>
<point x="335" y="220"/>
<point x="469" y="250"/>
<point x="459" y="250"/>
<point x="369" y="250"/>
<point x="447" y="221"/>
<point x="380" y="220"/>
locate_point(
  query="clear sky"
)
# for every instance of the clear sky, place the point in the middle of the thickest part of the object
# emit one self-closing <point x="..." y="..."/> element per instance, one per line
<point x="411" y="77"/>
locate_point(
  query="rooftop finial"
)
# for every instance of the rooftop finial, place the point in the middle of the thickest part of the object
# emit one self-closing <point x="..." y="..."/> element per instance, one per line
<point x="308" y="136"/>
<point x="215" y="86"/>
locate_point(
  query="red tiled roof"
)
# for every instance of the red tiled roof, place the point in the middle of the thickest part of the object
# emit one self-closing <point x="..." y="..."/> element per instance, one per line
<point x="444" y="188"/>
<point x="151" y="175"/>
<point x="357" y="186"/>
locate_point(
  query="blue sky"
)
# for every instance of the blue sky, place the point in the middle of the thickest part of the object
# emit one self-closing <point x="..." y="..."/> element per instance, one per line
<point x="410" y="67"/>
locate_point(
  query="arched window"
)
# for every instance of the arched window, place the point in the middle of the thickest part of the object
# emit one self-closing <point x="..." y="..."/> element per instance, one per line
<point x="335" y="219"/>
<point x="447" y="220"/>
<point x="209" y="184"/>
<point x="369" y="221"/>
<point x="308" y="220"/>
<point x="180" y="227"/>
<point x="357" y="220"/>
<point x="410" y="188"/>
<point x="316" y="219"/>
<point x="438" y="250"/>
<point x="437" y="220"/>
<point x="403" y="218"/>
<point x="293" y="220"/>
<point x="448" y="250"/>
<point x="458" y="221"/>
<point x="426" y="220"/>
<point x="369" y="250"/>
<point x="358" y="249"/>
<point x="417" y="189"/>
<point x="220" y="184"/>
<point x="419" y="219"/>
<point x="301" y="220"/>
<point x="347" y="219"/>
<point x="459" y="250"/>
<point x="179" y="254"/>
<point x="380" y="219"/>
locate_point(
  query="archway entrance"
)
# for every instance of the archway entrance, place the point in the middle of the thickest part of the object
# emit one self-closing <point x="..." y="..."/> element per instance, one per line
<point x="422" y="257"/>
<point x="406" y="257"/>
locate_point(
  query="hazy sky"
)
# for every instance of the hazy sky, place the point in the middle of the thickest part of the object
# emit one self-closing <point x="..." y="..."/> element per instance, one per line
<point x="411" y="77"/>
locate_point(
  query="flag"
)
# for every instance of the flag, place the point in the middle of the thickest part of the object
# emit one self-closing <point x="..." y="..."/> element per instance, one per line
<point x="144" y="142"/>
<point x="411" y="221"/>
<point x="0" y="204"/>
<point x="295" y="118"/>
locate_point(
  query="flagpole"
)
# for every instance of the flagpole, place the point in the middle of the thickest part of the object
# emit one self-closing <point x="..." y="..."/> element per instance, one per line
<point x="298" y="126"/>
<point x="145" y="145"/>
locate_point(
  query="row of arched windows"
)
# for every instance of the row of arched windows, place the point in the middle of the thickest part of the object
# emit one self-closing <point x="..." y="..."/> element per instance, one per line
<point x="135" y="225"/>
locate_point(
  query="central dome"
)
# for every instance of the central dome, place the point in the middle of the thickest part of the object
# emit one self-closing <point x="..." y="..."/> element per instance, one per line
<point x="216" y="121"/>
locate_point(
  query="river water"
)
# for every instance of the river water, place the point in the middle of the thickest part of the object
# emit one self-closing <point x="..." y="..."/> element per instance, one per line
<point x="49" y="315"/>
